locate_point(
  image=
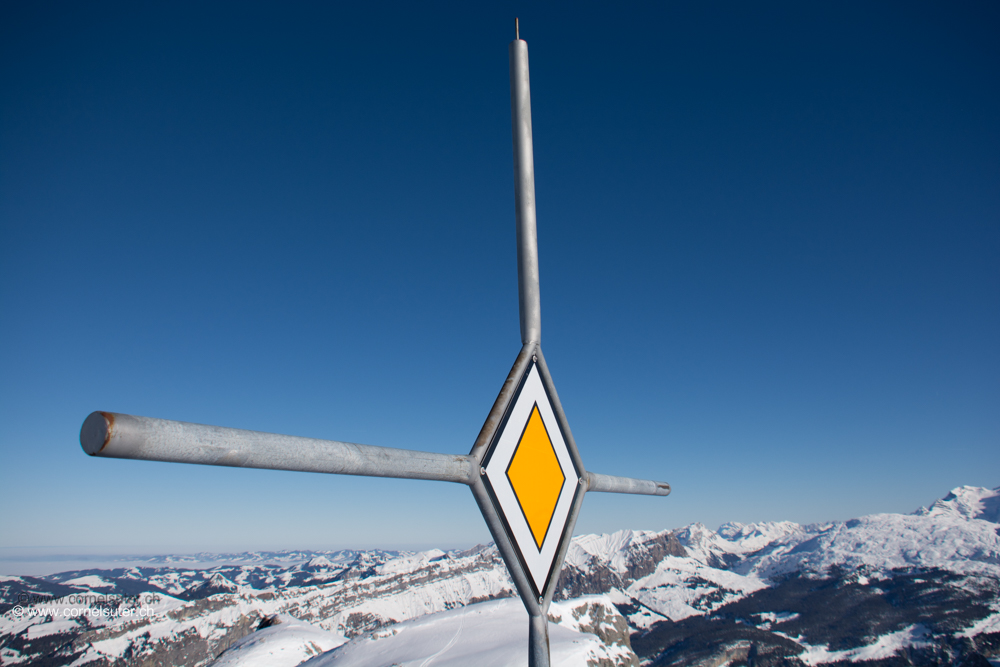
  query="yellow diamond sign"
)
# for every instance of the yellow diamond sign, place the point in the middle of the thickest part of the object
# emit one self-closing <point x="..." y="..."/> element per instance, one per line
<point x="531" y="479"/>
<point x="536" y="476"/>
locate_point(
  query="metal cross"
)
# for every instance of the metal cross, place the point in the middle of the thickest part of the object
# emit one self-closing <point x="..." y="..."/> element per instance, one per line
<point x="524" y="468"/>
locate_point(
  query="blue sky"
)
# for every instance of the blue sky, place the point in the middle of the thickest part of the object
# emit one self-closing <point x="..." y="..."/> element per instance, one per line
<point x="769" y="240"/>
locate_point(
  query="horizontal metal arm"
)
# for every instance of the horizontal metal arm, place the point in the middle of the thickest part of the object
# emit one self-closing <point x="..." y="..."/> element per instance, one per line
<point x="612" y="484"/>
<point x="113" y="435"/>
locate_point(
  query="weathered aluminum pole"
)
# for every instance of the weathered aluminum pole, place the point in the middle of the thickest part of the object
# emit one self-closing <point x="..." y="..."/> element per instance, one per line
<point x="118" y="436"/>
<point x="114" y="435"/>
<point x="529" y="300"/>
<point x="612" y="484"/>
<point x="529" y="295"/>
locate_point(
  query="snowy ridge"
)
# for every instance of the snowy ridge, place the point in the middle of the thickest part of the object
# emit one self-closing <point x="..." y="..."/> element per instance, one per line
<point x="610" y="550"/>
<point x="735" y="541"/>
<point x="967" y="502"/>
<point x="890" y="541"/>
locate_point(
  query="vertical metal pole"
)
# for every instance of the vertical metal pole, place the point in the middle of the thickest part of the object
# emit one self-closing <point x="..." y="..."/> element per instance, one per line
<point x="538" y="641"/>
<point x="524" y="195"/>
<point x="529" y="301"/>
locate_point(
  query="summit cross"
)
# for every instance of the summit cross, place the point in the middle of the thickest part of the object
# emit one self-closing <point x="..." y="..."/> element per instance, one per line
<point x="524" y="468"/>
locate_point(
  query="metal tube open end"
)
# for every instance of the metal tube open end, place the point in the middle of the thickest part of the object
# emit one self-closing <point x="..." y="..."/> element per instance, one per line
<point x="96" y="432"/>
<point x="613" y="484"/>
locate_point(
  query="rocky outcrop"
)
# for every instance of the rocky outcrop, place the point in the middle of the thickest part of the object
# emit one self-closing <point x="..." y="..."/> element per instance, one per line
<point x="598" y="616"/>
<point x="599" y="576"/>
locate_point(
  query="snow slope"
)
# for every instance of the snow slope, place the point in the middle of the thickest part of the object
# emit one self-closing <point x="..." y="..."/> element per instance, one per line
<point x="489" y="634"/>
<point x="285" y="643"/>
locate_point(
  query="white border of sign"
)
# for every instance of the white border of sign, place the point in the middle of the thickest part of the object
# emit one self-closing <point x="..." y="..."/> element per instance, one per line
<point x="539" y="562"/>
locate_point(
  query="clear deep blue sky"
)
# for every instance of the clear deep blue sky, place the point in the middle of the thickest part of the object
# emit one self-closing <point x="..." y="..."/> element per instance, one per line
<point x="769" y="238"/>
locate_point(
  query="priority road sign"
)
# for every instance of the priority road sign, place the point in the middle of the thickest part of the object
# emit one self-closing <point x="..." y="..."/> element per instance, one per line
<point x="532" y="479"/>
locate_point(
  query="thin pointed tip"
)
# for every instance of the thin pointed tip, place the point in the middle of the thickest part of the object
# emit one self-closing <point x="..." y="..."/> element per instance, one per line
<point x="517" y="29"/>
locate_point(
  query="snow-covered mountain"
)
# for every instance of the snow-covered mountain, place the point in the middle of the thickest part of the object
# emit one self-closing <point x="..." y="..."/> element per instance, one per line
<point x="888" y="589"/>
<point x="967" y="502"/>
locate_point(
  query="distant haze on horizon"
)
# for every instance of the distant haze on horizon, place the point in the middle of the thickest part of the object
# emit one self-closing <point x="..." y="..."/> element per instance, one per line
<point x="769" y="240"/>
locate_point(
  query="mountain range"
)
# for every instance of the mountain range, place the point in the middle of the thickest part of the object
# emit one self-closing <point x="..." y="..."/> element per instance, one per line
<point x="879" y="590"/>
